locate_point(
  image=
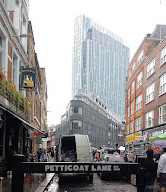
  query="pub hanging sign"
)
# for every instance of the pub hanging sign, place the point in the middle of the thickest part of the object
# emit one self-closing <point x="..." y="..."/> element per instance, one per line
<point x="28" y="78"/>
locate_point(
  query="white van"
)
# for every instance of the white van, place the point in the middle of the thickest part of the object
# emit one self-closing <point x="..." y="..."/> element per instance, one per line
<point x="74" y="148"/>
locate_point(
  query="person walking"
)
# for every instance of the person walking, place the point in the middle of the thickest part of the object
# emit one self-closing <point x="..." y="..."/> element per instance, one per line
<point x="32" y="156"/>
<point x="161" y="171"/>
<point x="97" y="156"/>
<point x="44" y="156"/>
<point x="39" y="153"/>
<point x="150" y="171"/>
<point x="131" y="157"/>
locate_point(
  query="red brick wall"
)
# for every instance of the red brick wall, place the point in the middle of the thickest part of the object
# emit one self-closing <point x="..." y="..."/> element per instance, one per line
<point x="147" y="45"/>
<point x="155" y="77"/>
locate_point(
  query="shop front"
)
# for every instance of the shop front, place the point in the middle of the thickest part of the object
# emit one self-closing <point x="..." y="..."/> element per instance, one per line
<point x="137" y="142"/>
<point x="15" y="134"/>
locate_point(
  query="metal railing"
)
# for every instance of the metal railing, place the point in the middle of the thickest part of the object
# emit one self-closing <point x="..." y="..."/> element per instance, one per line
<point x="11" y="98"/>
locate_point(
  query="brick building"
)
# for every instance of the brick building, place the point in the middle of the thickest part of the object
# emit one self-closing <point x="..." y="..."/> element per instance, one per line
<point x="19" y="106"/>
<point x="143" y="100"/>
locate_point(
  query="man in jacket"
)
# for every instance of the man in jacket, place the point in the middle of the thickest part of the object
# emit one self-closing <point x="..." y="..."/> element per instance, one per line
<point x="161" y="171"/>
<point x="150" y="171"/>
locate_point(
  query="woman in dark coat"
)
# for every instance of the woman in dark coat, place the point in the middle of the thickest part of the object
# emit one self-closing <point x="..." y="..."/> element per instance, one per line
<point x="150" y="171"/>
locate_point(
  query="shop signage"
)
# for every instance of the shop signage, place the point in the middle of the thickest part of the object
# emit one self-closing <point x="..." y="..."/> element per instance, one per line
<point x="80" y="168"/>
<point x="139" y="138"/>
<point x="155" y="133"/>
<point x="28" y="78"/>
<point x="33" y="133"/>
<point x="131" y="138"/>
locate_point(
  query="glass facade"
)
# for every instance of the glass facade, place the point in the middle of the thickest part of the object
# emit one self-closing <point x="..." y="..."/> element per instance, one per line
<point x="100" y="62"/>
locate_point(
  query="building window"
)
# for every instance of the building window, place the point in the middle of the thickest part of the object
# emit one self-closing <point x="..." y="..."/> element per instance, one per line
<point x="133" y="67"/>
<point x="138" y="102"/>
<point x="162" y="114"/>
<point x="132" y="107"/>
<point x="163" y="56"/>
<point x="138" y="124"/>
<point x="132" y="87"/>
<point x="24" y="31"/>
<point x="77" y="110"/>
<point x="2" y="57"/>
<point x="163" y="84"/>
<point x="131" y="126"/>
<point x="129" y="93"/>
<point x="149" y="119"/>
<point x="150" y="68"/>
<point x="139" y="79"/>
<point x="140" y="57"/>
<point x="129" y="74"/>
<point x="128" y="110"/>
<point x="150" y="93"/>
<point x="76" y="125"/>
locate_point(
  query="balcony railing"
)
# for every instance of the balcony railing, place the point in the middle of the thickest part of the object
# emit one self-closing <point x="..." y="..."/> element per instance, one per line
<point x="11" y="98"/>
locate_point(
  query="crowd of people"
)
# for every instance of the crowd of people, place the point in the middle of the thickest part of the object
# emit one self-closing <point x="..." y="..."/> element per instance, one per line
<point x="42" y="155"/>
<point x="154" y="169"/>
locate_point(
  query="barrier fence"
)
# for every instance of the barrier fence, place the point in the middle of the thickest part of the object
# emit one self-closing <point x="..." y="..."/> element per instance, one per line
<point x="20" y="167"/>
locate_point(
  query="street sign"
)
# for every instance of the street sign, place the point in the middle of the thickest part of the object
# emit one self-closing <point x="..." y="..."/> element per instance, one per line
<point x="139" y="138"/>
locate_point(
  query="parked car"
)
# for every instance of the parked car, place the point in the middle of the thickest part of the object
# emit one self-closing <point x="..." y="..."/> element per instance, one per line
<point x="117" y="174"/>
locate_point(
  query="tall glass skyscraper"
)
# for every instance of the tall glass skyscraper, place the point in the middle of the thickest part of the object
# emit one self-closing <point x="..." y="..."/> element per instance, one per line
<point x="100" y="62"/>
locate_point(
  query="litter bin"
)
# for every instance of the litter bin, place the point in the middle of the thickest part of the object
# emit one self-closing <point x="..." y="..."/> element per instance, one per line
<point x="140" y="179"/>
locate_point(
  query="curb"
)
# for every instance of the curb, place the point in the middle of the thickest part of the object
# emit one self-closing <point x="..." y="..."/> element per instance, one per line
<point x="45" y="183"/>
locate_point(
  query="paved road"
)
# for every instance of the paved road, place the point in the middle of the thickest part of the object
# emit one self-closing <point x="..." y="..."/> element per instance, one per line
<point x="77" y="184"/>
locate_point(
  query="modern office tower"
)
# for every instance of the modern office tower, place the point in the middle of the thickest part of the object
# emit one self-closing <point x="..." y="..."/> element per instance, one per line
<point x="100" y="62"/>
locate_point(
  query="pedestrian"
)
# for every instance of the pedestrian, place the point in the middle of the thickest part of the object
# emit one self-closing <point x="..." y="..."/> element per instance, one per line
<point x="131" y="157"/>
<point x="39" y="152"/>
<point x="44" y="156"/>
<point x="97" y="156"/>
<point x="161" y="171"/>
<point x="150" y="171"/>
<point x="32" y="156"/>
<point x="125" y="157"/>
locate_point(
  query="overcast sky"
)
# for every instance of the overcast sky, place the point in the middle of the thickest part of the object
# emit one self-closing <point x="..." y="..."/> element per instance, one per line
<point x="53" y="28"/>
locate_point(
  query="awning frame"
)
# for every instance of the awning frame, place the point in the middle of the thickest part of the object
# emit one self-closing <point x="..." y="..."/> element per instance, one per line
<point x="24" y="123"/>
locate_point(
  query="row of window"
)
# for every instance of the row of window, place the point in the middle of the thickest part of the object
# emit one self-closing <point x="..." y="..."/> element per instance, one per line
<point x="139" y="60"/>
<point x="137" y="125"/>
<point x="151" y="65"/>
<point x="138" y="105"/>
<point x="151" y="87"/>
<point x="139" y="83"/>
<point x="101" y="109"/>
<point x="150" y="116"/>
<point x="149" y="120"/>
<point x="149" y="94"/>
<point x="149" y="72"/>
